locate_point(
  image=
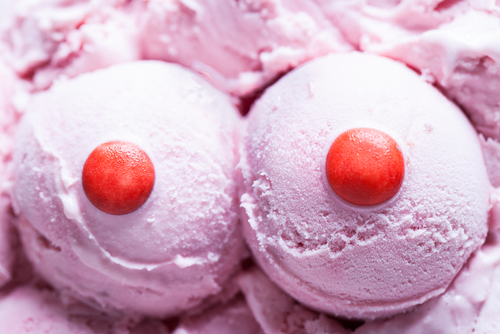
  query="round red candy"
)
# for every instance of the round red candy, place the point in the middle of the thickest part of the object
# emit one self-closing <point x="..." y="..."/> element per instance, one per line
<point x="365" y="166"/>
<point x="118" y="177"/>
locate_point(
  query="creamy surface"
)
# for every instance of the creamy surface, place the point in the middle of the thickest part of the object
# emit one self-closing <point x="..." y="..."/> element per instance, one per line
<point x="184" y="242"/>
<point x="361" y="262"/>
<point x="455" y="44"/>
<point x="10" y="91"/>
<point x="240" y="46"/>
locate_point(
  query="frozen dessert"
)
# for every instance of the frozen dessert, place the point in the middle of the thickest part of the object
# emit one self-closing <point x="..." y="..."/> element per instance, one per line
<point x="164" y="236"/>
<point x="245" y="43"/>
<point x="59" y="39"/>
<point x="27" y="310"/>
<point x="8" y="120"/>
<point x="453" y="43"/>
<point x="126" y="184"/>
<point x="468" y="306"/>
<point x="361" y="260"/>
<point x="34" y="310"/>
<point x="233" y="317"/>
<point x="276" y="312"/>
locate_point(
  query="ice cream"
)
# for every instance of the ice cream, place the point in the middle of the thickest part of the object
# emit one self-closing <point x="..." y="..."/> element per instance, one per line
<point x="468" y="306"/>
<point x="8" y="120"/>
<point x="276" y="312"/>
<point x="453" y="43"/>
<point x="33" y="310"/>
<point x="59" y="39"/>
<point x="240" y="47"/>
<point x="233" y="317"/>
<point x="345" y="259"/>
<point x="245" y="44"/>
<point x="181" y="245"/>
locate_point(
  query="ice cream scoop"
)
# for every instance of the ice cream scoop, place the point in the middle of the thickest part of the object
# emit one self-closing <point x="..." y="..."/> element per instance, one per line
<point x="361" y="259"/>
<point x="125" y="178"/>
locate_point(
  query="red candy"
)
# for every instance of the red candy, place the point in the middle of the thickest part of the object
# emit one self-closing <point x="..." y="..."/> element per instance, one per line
<point x="118" y="177"/>
<point x="365" y="166"/>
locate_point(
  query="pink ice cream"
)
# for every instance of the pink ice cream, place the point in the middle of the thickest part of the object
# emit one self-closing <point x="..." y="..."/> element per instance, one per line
<point x="29" y="310"/>
<point x="470" y="305"/>
<point x="245" y="44"/>
<point x="453" y="43"/>
<point x="491" y="153"/>
<point x="361" y="262"/>
<point x="233" y="317"/>
<point x="9" y="117"/>
<point x="277" y="312"/>
<point x="329" y="255"/>
<point x="184" y="243"/>
<point x="61" y="39"/>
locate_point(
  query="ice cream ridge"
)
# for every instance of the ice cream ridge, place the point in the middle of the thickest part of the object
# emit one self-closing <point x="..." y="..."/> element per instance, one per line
<point x="365" y="189"/>
<point x="125" y="180"/>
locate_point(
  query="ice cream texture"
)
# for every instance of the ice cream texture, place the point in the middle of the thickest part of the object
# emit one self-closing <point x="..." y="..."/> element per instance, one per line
<point x="245" y="43"/>
<point x="468" y="306"/>
<point x="385" y="259"/>
<point x="361" y="262"/>
<point x="184" y="243"/>
<point x="233" y="317"/>
<point x="277" y="312"/>
<point x="455" y="44"/>
<point x="33" y="310"/>
<point x="48" y="40"/>
<point x="9" y="117"/>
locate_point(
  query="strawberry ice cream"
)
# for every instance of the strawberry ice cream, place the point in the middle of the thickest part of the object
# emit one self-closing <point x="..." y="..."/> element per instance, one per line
<point x="453" y="43"/>
<point x="276" y="312"/>
<point x="470" y="305"/>
<point x="245" y="44"/>
<point x="8" y="120"/>
<point x="60" y="39"/>
<point x="347" y="259"/>
<point x="31" y="310"/>
<point x="168" y="253"/>
<point x="233" y="317"/>
<point x="127" y="169"/>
